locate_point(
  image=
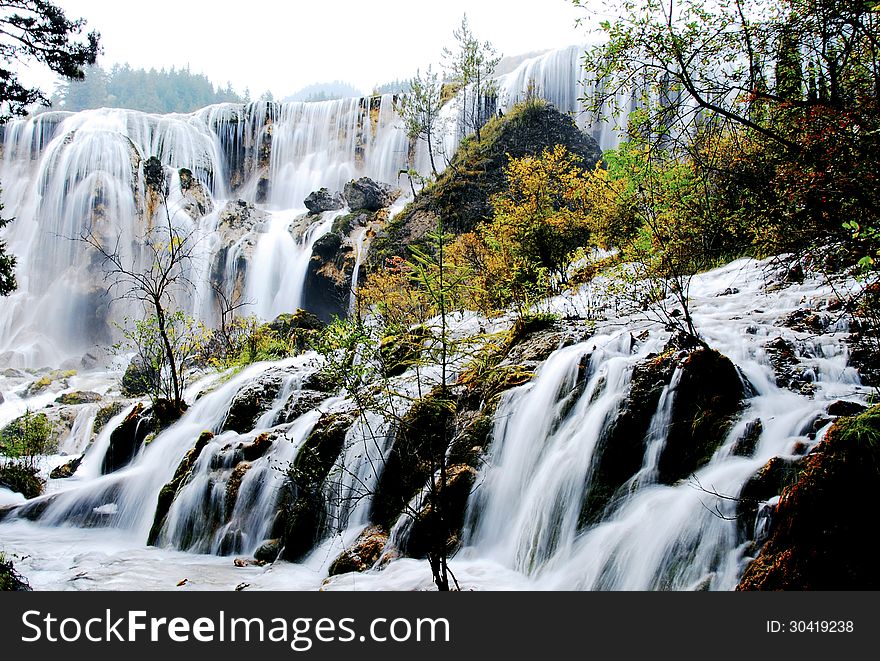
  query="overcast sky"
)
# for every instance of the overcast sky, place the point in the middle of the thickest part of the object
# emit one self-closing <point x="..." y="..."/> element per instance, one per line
<point x="282" y="46"/>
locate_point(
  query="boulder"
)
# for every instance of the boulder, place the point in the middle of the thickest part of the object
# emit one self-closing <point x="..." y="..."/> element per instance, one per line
<point x="128" y="438"/>
<point x="66" y="470"/>
<point x="772" y="478"/>
<point x="709" y="393"/>
<point x="368" y="195"/>
<point x="268" y="551"/>
<point x="301" y="510"/>
<point x="823" y="527"/>
<point x="620" y="450"/>
<point x="252" y="401"/>
<point x="323" y="200"/>
<point x="429" y="525"/>
<point x="169" y="492"/>
<point x="363" y="554"/>
<point x="77" y="398"/>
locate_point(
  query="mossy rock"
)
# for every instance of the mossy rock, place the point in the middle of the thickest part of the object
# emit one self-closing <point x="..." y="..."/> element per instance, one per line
<point x="620" y="450"/>
<point x="252" y="401"/>
<point x="770" y="480"/>
<point x="709" y="394"/>
<point x="131" y="434"/>
<point x="257" y="448"/>
<point x="169" y="492"/>
<point x="419" y="445"/>
<point x="822" y="528"/>
<point x="105" y="413"/>
<point x="436" y="528"/>
<point x="302" y="508"/>
<point x="363" y="554"/>
<point x="77" y="398"/>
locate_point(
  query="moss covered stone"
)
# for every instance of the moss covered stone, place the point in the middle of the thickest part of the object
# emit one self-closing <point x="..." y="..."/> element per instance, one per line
<point x="435" y="527"/>
<point x="708" y="395"/>
<point x="169" y="492"/>
<point x="621" y="448"/>
<point x="822" y="524"/>
<point x="419" y="446"/>
<point x="363" y="554"/>
<point x="302" y="507"/>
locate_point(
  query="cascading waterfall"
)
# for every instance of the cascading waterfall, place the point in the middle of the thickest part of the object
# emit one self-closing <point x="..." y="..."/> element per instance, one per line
<point x="67" y="175"/>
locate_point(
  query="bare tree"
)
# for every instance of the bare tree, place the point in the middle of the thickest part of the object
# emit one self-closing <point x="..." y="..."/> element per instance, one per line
<point x="156" y="281"/>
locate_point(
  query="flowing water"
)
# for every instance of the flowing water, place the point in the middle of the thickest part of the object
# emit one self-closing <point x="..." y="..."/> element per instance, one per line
<point x="69" y="174"/>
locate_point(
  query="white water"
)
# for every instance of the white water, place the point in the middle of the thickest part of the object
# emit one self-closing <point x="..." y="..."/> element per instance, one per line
<point x="65" y="175"/>
<point x="522" y="528"/>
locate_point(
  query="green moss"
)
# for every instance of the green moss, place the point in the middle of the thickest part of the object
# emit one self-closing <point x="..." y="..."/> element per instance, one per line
<point x="822" y="522"/>
<point x="169" y="491"/>
<point x="11" y="580"/>
<point x="21" y="479"/>
<point x="105" y="413"/>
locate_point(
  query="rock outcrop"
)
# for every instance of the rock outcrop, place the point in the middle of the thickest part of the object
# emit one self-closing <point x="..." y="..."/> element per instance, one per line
<point x="323" y="200"/>
<point x="820" y="529"/>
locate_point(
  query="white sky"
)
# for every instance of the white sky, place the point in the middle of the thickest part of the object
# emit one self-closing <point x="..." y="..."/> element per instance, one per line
<point x="282" y="45"/>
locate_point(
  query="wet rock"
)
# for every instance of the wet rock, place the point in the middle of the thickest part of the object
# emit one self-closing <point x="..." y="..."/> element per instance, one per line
<point x="77" y="398"/>
<point x="105" y="413"/>
<point x="366" y="194"/>
<point x="745" y="444"/>
<point x="66" y="470"/>
<point x="708" y="395"/>
<point x="252" y="401"/>
<point x="323" y="200"/>
<point x="420" y="441"/>
<point x="621" y="447"/>
<point x="300" y="403"/>
<point x="268" y="551"/>
<point x="301" y="513"/>
<point x="768" y="482"/>
<point x="256" y="449"/>
<point x="233" y="486"/>
<point x="231" y="543"/>
<point x="823" y="525"/>
<point x="196" y="199"/>
<point x="429" y="528"/>
<point x="790" y="374"/>
<point x="807" y="321"/>
<point x="169" y="492"/>
<point x="363" y="554"/>
<point x="139" y="378"/>
<point x="845" y="408"/>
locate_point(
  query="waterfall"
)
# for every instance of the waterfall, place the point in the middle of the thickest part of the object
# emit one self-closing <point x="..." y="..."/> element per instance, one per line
<point x="65" y="175"/>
